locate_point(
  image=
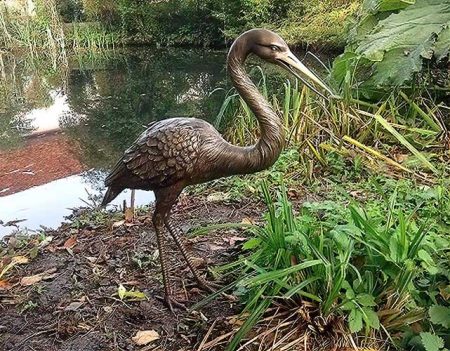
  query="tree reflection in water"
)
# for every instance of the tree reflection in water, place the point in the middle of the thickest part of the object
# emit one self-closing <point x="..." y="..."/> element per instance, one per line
<point x="115" y="103"/>
<point x="100" y="103"/>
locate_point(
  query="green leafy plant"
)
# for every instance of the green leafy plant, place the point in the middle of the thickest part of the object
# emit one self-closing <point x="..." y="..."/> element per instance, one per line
<point x="355" y="271"/>
<point x="349" y="127"/>
<point x="440" y="315"/>
<point x="431" y="342"/>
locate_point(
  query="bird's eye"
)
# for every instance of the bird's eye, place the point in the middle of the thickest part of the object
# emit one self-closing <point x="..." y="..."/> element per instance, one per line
<point x="274" y="48"/>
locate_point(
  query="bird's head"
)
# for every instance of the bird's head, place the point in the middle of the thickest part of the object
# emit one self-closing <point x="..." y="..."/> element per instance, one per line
<point x="270" y="47"/>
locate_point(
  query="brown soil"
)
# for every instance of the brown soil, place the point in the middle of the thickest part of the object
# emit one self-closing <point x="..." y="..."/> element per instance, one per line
<point x="76" y="306"/>
<point x="44" y="158"/>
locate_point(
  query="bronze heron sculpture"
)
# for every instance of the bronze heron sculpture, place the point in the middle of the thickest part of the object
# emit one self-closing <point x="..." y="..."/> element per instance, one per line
<point x="177" y="152"/>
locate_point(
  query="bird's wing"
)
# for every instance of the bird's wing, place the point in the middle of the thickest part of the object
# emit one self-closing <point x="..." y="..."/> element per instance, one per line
<point x="163" y="155"/>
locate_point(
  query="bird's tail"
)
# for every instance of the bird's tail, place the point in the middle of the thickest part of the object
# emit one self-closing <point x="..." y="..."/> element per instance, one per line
<point x="110" y="195"/>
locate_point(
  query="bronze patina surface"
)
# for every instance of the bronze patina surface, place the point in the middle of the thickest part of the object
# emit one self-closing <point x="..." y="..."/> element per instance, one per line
<point x="177" y="152"/>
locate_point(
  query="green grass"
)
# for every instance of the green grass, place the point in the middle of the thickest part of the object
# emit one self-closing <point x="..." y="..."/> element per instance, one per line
<point x="91" y="37"/>
<point x="363" y="249"/>
<point x="365" y="268"/>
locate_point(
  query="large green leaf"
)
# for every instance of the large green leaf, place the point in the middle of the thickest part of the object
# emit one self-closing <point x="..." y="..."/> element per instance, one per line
<point x="410" y="29"/>
<point x="440" y="315"/>
<point x="431" y="342"/>
<point x="442" y="46"/>
<point x="392" y="41"/>
<point x="397" y="67"/>
<point x="355" y="321"/>
<point x="375" y="6"/>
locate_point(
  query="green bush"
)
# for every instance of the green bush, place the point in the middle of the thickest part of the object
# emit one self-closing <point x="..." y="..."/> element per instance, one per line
<point x="320" y="22"/>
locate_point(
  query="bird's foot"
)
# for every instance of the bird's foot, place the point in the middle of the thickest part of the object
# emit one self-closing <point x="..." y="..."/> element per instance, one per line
<point x="210" y="287"/>
<point x="172" y="303"/>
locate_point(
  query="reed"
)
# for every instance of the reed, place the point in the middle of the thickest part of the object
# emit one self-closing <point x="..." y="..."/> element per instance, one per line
<point x="43" y="34"/>
<point x="379" y="132"/>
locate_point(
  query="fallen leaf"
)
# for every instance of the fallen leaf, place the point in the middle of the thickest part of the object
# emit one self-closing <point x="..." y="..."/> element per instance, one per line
<point x="198" y="262"/>
<point x="293" y="194"/>
<point x="214" y="247"/>
<point x="400" y="158"/>
<point x="357" y="194"/>
<point x="73" y="306"/>
<point x="145" y="337"/>
<point x="132" y="294"/>
<point x="5" y="285"/>
<point x="71" y="242"/>
<point x="445" y="292"/>
<point x="118" y="224"/>
<point x="247" y="221"/>
<point x="236" y="239"/>
<point x="218" y="197"/>
<point x="20" y="260"/>
<point x="52" y="248"/>
<point x="14" y="261"/>
<point x="236" y="322"/>
<point x="46" y="241"/>
<point x="33" y="279"/>
<point x="121" y="290"/>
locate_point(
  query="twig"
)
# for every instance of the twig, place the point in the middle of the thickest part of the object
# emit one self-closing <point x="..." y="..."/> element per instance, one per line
<point x="34" y="335"/>
<point x="218" y="340"/>
<point x="205" y="339"/>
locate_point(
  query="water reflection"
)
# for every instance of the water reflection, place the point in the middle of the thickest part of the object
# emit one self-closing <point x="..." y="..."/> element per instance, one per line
<point x="47" y="119"/>
<point x="55" y="125"/>
<point x="141" y="87"/>
<point x="47" y="205"/>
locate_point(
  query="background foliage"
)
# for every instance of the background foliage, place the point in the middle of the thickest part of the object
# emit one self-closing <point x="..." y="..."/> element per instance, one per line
<point x="211" y="22"/>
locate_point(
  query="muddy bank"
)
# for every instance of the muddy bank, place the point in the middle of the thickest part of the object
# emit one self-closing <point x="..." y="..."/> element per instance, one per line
<point x="66" y="296"/>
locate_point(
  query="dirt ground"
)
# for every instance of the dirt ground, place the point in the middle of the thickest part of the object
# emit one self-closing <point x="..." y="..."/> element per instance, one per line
<point x="66" y="298"/>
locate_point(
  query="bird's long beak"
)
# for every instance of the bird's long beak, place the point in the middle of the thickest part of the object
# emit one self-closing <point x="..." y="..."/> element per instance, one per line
<point x="298" y="69"/>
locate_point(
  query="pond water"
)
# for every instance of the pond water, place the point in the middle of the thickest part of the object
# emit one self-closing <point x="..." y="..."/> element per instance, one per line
<point x="62" y="127"/>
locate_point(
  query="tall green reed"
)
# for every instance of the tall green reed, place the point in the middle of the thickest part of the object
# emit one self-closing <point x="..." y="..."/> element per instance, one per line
<point x="349" y="126"/>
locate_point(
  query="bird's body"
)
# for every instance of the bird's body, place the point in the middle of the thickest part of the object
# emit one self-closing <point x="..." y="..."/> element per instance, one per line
<point x="187" y="150"/>
<point x="177" y="152"/>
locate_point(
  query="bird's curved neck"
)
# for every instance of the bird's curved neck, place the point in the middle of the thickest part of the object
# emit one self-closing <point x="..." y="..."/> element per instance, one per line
<point x="266" y="151"/>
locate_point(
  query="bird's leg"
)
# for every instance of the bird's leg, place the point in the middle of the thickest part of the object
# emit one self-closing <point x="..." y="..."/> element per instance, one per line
<point x="165" y="198"/>
<point x="158" y="223"/>
<point x="176" y="233"/>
